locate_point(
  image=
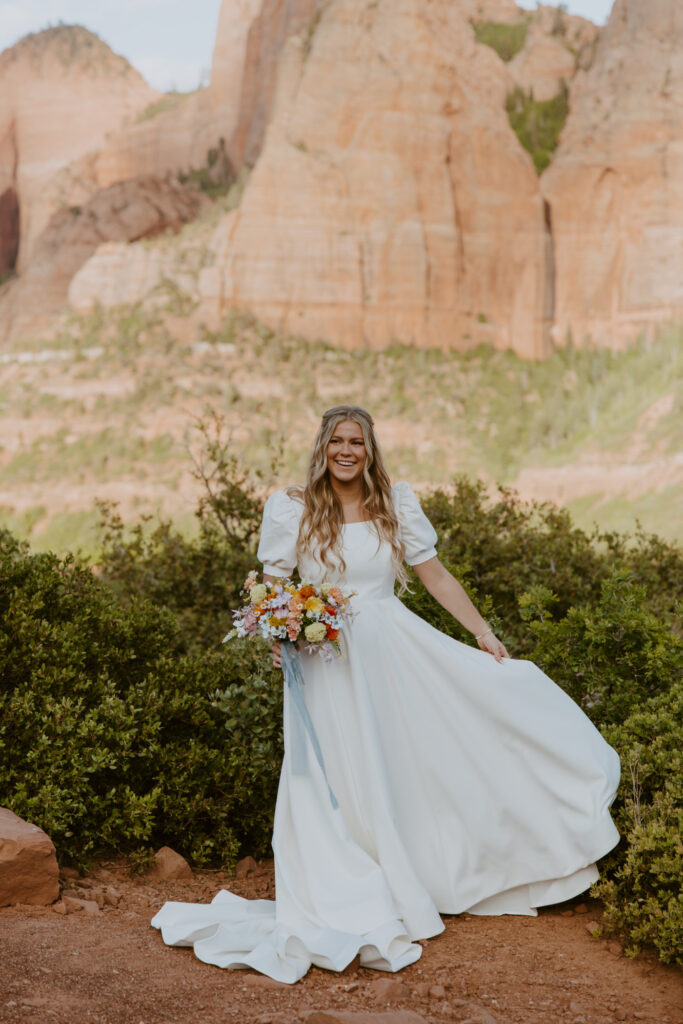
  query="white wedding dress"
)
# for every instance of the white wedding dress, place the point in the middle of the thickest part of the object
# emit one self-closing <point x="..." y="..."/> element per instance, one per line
<point x="449" y="782"/>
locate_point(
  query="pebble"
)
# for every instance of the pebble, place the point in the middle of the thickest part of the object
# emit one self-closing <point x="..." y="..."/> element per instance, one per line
<point x="385" y="990"/>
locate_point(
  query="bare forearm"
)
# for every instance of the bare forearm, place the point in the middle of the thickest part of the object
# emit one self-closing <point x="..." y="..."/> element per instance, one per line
<point x="451" y="595"/>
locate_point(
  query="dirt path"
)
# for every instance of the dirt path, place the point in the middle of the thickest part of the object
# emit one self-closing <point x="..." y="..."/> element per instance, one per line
<point x="111" y="967"/>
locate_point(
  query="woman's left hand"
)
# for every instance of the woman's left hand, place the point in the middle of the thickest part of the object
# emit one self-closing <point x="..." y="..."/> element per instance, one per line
<point x="492" y="645"/>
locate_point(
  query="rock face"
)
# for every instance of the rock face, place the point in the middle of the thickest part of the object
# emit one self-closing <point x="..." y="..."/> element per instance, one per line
<point x="615" y="186"/>
<point x="28" y="863"/>
<point x="62" y="90"/>
<point x="541" y="64"/>
<point x="232" y="113"/>
<point x="128" y="211"/>
<point x="381" y="206"/>
<point x="505" y="12"/>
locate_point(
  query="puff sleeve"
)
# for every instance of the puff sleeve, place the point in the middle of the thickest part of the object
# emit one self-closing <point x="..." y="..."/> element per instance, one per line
<point x="279" y="534"/>
<point x="417" y="533"/>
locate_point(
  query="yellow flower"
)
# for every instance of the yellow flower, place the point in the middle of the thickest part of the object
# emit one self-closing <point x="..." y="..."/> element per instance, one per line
<point x="258" y="593"/>
<point x="325" y="590"/>
<point x="315" y="605"/>
<point x="316" y="632"/>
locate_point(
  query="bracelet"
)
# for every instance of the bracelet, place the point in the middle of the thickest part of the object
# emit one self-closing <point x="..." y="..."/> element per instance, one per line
<point x="483" y="634"/>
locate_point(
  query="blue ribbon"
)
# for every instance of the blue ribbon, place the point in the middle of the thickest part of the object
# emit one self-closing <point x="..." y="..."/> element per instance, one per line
<point x="291" y="667"/>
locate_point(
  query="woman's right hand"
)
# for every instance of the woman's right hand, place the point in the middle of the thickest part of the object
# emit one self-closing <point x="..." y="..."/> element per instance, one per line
<point x="276" y="651"/>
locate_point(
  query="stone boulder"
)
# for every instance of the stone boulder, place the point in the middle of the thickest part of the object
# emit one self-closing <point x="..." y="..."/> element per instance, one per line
<point x="615" y="186"/>
<point x="170" y="866"/>
<point x="28" y="863"/>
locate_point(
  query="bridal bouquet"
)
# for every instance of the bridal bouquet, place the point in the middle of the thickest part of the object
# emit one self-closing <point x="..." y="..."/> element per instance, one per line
<point x="284" y="610"/>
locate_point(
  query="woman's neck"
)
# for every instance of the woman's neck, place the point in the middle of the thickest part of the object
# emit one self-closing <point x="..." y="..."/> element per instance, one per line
<point x="350" y="497"/>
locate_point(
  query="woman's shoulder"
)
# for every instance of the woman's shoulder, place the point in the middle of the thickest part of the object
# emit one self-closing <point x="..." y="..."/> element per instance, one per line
<point x="403" y="495"/>
<point x="286" y="502"/>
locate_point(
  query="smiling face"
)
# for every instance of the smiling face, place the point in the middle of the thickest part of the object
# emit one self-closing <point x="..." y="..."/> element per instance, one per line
<point x="346" y="453"/>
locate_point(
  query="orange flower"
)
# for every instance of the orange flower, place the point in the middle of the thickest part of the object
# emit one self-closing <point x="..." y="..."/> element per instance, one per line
<point x="336" y="595"/>
<point x="332" y="634"/>
<point x="307" y="591"/>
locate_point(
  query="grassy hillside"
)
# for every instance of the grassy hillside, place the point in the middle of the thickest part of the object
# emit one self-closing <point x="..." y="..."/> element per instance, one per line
<point x="107" y="410"/>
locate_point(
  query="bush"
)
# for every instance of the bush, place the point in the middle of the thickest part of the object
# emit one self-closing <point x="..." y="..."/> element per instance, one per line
<point x="538" y="123"/>
<point x="109" y="738"/>
<point x="641" y="885"/>
<point x="197" y="578"/>
<point x="506" y="40"/>
<point x="124" y="724"/>
<point x="610" y="655"/>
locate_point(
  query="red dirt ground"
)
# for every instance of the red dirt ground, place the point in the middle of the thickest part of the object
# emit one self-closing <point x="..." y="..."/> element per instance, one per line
<point x="113" y="968"/>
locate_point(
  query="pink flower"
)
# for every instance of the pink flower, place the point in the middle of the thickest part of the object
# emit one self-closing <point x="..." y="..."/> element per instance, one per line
<point x="250" y="580"/>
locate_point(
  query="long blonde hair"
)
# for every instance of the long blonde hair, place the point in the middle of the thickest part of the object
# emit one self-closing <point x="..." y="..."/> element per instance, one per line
<point x="322" y="517"/>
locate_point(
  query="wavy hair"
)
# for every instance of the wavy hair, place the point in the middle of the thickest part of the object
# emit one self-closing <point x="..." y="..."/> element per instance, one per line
<point x="322" y="518"/>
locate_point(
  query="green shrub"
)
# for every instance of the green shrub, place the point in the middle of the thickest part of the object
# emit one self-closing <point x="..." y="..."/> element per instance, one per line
<point x="124" y="724"/>
<point x="641" y="882"/>
<point x="198" y="578"/>
<point x="506" y="40"/>
<point x="109" y="738"/>
<point x="610" y="655"/>
<point x="623" y="664"/>
<point x="538" y="123"/>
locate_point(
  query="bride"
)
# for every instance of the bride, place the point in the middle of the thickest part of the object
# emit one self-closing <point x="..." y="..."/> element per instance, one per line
<point x="421" y="776"/>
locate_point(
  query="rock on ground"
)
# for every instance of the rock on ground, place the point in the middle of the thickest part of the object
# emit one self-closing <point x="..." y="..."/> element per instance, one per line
<point x="170" y="866"/>
<point x="28" y="862"/>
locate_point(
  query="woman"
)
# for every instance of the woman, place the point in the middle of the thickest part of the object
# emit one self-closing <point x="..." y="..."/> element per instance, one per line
<point x="421" y="776"/>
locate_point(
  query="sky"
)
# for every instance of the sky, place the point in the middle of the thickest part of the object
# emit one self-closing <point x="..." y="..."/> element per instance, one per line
<point x="169" y="41"/>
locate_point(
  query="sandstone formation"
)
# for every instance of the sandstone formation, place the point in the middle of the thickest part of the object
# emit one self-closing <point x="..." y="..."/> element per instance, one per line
<point x="541" y="64"/>
<point x="615" y="186"/>
<point x="227" y="119"/>
<point x="28" y="863"/>
<point x="128" y="211"/>
<point x="62" y="90"/>
<point x="505" y="12"/>
<point x="392" y="199"/>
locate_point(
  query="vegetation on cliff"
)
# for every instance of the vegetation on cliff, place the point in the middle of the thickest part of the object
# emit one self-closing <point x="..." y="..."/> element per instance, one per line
<point x="538" y="123"/>
<point x="505" y="39"/>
